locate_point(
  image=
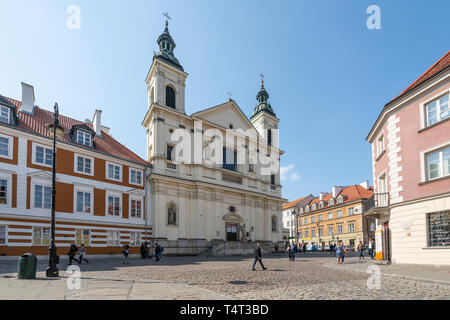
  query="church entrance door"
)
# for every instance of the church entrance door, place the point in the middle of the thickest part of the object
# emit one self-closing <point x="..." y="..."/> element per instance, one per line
<point x="232" y="230"/>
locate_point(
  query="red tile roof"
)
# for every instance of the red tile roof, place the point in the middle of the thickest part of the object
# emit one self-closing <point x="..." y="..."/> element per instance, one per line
<point x="291" y="204"/>
<point x="106" y="144"/>
<point x="350" y="193"/>
<point x="442" y="64"/>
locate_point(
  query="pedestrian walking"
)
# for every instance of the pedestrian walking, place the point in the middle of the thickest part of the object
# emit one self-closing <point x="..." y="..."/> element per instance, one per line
<point x="72" y="251"/>
<point x="288" y="250"/>
<point x="82" y="254"/>
<point x="304" y="247"/>
<point x="339" y="253"/>
<point x="158" y="251"/>
<point x="258" y="257"/>
<point x="344" y="251"/>
<point x="125" y="251"/>
<point x="293" y="249"/>
<point x="331" y="248"/>
<point x="144" y="251"/>
<point x="374" y="251"/>
<point x="370" y="247"/>
<point x="361" y="250"/>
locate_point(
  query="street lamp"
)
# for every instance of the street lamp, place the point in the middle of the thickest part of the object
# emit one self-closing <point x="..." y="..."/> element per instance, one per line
<point x="56" y="131"/>
<point x="294" y="213"/>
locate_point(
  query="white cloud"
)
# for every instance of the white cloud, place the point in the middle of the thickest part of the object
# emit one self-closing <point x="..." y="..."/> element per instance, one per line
<point x="287" y="173"/>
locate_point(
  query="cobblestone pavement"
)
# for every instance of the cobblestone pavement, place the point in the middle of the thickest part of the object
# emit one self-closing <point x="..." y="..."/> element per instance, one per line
<point x="309" y="277"/>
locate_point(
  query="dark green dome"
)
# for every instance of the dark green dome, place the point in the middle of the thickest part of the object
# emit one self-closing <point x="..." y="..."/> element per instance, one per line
<point x="166" y="47"/>
<point x="263" y="104"/>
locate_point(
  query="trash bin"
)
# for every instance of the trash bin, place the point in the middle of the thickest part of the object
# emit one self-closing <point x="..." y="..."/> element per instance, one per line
<point x="27" y="266"/>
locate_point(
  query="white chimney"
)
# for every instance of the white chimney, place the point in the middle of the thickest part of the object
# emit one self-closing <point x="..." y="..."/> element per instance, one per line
<point x="365" y="184"/>
<point x="336" y="191"/>
<point x="97" y="122"/>
<point x="27" y="98"/>
<point x="321" y="195"/>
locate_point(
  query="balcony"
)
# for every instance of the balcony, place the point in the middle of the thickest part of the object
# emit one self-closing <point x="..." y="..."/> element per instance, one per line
<point x="171" y="165"/>
<point x="377" y="206"/>
<point x="232" y="178"/>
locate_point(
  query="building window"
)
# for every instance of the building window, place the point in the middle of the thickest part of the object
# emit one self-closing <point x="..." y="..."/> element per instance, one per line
<point x="135" y="238"/>
<point x="351" y="211"/>
<point x="380" y="145"/>
<point x="114" y="206"/>
<point x="339" y="229"/>
<point x="114" y="172"/>
<point x="272" y="179"/>
<point x="172" y="215"/>
<point x="113" y="238"/>
<point x="3" y="236"/>
<point x="313" y="232"/>
<point x="84" y="201"/>
<point x="230" y="159"/>
<point x="313" y="207"/>
<point x="320" y="205"/>
<point x="306" y="233"/>
<point x="43" y="155"/>
<point x="331" y="202"/>
<point x="274" y="223"/>
<point x="301" y="210"/>
<point x="307" y="209"/>
<point x="4" y="114"/>
<point x="41" y="236"/>
<point x="330" y="230"/>
<point x="169" y="152"/>
<point x="83" y="236"/>
<point x="438" y="163"/>
<point x="269" y="137"/>
<point x="306" y="220"/>
<point x="136" y="208"/>
<point x="313" y="219"/>
<point x="339" y="213"/>
<point x="3" y="191"/>
<point x="351" y="227"/>
<point x="5" y="147"/>
<point x="299" y="234"/>
<point x="83" y="165"/>
<point x="170" y="97"/>
<point x="372" y="226"/>
<point x="299" y="222"/>
<point x="320" y="217"/>
<point x="330" y="216"/>
<point x="320" y="232"/>
<point x="439" y="229"/>
<point x="84" y="138"/>
<point x="42" y="197"/>
<point x="340" y="200"/>
<point x="437" y="110"/>
<point x="135" y="176"/>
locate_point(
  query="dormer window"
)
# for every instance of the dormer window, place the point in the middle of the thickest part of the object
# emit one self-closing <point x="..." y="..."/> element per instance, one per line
<point x="314" y="207"/>
<point x="307" y="209"/>
<point x="5" y="114"/>
<point x="331" y="202"/>
<point x="84" y="138"/>
<point x="340" y="199"/>
<point x="321" y="205"/>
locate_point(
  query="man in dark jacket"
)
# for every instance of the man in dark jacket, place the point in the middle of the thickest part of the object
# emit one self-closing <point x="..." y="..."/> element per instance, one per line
<point x="144" y="251"/>
<point x="72" y="251"/>
<point x="157" y="251"/>
<point x="258" y="256"/>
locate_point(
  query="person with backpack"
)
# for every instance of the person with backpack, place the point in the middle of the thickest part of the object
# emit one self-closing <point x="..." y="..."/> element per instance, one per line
<point x="82" y="254"/>
<point x="125" y="251"/>
<point x="72" y="251"/>
<point x="158" y="251"/>
<point x="361" y="250"/>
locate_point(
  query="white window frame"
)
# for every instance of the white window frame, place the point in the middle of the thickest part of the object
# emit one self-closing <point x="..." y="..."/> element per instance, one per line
<point x="120" y="171"/>
<point x="33" y="194"/>
<point x="313" y="219"/>
<point x="332" y="232"/>
<point x="352" y="211"/>
<point x="424" y="112"/>
<point x="75" y="199"/>
<point x="340" y="227"/>
<point x="114" y="194"/>
<point x="306" y="221"/>
<point x="351" y="230"/>
<point x="6" y="235"/>
<point x="339" y="213"/>
<point x="313" y="233"/>
<point x="381" y="148"/>
<point x="320" y="217"/>
<point x="329" y="215"/>
<point x="340" y="200"/>
<point x="33" y="154"/>
<point x="8" y="177"/>
<point x="10" y="146"/>
<point x="41" y="237"/>
<point x="331" y="202"/>
<point x="9" y="114"/>
<point x="136" y="198"/>
<point x="82" y="236"/>
<point x="75" y="164"/>
<point x="313" y="207"/>
<point x="84" y="137"/>
<point x="107" y="238"/>
<point x="133" y="240"/>
<point x="306" y="234"/>
<point x="424" y="162"/>
<point x="142" y="176"/>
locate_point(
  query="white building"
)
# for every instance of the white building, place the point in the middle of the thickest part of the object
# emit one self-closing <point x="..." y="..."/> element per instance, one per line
<point x="196" y="203"/>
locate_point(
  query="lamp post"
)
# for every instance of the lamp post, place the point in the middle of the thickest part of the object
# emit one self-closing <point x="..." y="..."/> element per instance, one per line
<point x="56" y="131"/>
<point x="294" y="213"/>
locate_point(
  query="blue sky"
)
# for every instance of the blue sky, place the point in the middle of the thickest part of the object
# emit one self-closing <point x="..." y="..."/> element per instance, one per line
<point x="327" y="74"/>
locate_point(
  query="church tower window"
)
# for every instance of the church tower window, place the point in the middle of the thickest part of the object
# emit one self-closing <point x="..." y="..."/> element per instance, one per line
<point x="170" y="97"/>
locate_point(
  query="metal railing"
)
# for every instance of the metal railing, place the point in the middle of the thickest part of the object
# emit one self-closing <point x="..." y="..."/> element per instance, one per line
<point x="377" y="200"/>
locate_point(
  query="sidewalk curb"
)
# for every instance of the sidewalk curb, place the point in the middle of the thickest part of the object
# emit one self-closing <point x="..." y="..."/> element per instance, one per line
<point x="393" y="275"/>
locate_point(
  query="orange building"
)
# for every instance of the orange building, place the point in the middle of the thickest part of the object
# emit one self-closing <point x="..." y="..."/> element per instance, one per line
<point x="336" y="216"/>
<point x="100" y="184"/>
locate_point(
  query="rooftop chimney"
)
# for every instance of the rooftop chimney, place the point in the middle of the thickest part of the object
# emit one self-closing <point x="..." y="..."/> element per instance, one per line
<point x="336" y="191"/>
<point x="97" y="122"/>
<point x="365" y="184"/>
<point x="321" y="195"/>
<point x="27" y="98"/>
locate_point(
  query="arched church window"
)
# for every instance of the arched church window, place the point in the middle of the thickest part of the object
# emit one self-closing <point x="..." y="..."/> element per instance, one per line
<point x="170" y="97"/>
<point x="269" y="137"/>
<point x="172" y="215"/>
<point x="274" y="223"/>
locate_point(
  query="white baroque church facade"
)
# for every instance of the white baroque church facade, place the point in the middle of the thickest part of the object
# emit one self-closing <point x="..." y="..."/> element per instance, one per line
<point x="196" y="205"/>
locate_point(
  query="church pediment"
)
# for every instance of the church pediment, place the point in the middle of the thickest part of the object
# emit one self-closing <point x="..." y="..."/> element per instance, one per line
<point x="232" y="217"/>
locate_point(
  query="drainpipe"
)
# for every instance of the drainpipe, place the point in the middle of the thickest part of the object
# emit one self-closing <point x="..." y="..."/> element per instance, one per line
<point x="147" y="198"/>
